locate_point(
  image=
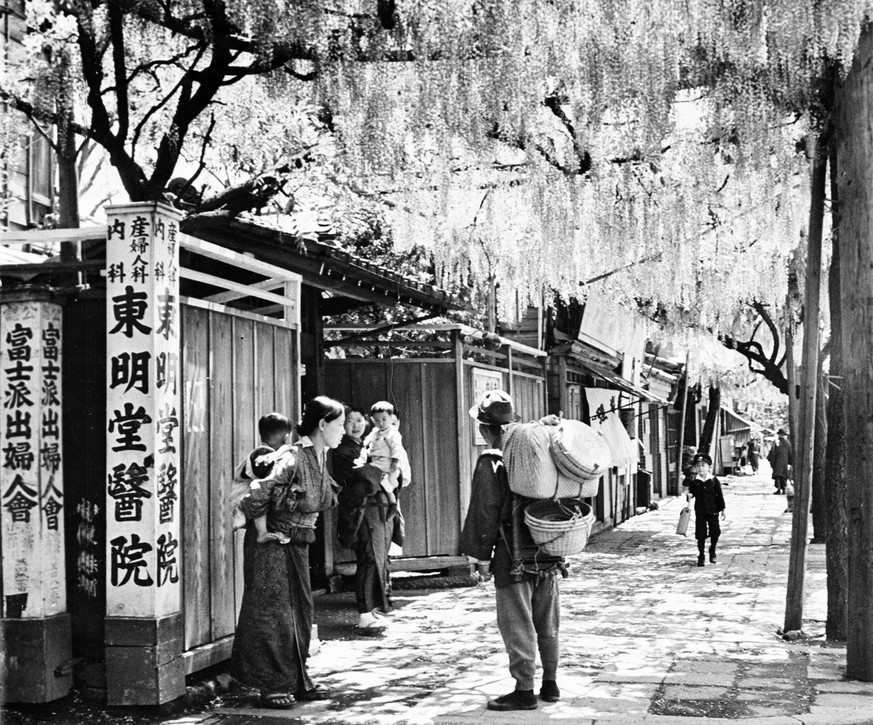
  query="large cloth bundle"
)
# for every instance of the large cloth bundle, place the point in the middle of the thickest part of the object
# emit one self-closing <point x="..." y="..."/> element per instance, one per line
<point x="563" y="461"/>
<point x="529" y="465"/>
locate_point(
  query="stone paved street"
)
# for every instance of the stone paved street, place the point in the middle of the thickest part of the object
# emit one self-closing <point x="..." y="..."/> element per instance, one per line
<point x="647" y="637"/>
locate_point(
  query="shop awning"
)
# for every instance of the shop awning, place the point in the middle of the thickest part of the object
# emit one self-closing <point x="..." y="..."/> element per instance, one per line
<point x="576" y="352"/>
<point x="616" y="381"/>
<point x="740" y="423"/>
<point x="601" y="404"/>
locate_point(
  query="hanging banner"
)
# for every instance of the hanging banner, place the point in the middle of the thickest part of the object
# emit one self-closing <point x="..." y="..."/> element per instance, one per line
<point x="31" y="478"/>
<point x="603" y="405"/>
<point x="142" y="426"/>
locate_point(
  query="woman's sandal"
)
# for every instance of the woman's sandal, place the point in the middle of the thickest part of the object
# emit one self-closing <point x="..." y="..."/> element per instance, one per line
<point x="277" y="700"/>
<point x="373" y="629"/>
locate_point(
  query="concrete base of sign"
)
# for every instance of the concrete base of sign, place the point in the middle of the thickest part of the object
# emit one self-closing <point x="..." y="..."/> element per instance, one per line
<point x="35" y="653"/>
<point x="144" y="663"/>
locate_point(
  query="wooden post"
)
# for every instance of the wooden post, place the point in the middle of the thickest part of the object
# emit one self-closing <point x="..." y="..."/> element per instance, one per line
<point x="854" y="138"/>
<point x="463" y="423"/>
<point x="679" y="472"/>
<point x="144" y="625"/>
<point x="35" y="620"/>
<point x="805" y="439"/>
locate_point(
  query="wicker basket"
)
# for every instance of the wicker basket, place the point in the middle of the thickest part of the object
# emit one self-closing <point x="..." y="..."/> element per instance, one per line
<point x="569" y="487"/>
<point x="559" y="527"/>
<point x="579" y="451"/>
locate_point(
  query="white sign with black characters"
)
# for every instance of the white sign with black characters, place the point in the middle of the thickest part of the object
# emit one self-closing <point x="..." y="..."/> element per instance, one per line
<point x="143" y="550"/>
<point x="31" y="475"/>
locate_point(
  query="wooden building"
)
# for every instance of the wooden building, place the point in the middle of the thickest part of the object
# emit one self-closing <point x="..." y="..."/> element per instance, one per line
<point x="433" y="375"/>
<point x="168" y="348"/>
<point x="28" y="162"/>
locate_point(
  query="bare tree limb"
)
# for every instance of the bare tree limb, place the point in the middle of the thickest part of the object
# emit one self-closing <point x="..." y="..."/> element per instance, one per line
<point x="163" y="102"/>
<point x="122" y="106"/>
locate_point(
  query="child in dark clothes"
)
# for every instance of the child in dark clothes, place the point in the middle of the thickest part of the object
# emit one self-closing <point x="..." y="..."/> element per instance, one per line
<point x="274" y="430"/>
<point x="708" y="506"/>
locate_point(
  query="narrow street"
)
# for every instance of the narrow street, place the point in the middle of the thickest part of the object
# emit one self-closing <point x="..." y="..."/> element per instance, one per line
<point x="647" y="636"/>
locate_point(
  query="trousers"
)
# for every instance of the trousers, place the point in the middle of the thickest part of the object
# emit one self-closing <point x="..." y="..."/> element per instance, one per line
<point x="528" y="617"/>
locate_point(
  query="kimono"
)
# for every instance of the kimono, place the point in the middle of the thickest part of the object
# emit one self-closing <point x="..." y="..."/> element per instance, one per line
<point x="271" y="645"/>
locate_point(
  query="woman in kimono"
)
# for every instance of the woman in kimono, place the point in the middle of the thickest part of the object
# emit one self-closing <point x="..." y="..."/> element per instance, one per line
<point x="275" y="621"/>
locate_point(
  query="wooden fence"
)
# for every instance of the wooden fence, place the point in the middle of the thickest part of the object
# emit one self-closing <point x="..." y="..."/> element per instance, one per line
<point x="432" y="395"/>
<point x="235" y="369"/>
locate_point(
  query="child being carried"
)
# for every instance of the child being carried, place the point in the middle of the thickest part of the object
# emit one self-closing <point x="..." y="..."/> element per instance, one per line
<point x="274" y="430"/>
<point x="383" y="448"/>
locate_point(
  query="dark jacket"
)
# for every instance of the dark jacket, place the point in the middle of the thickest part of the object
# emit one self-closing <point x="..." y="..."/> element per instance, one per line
<point x="780" y="457"/>
<point x="708" y="496"/>
<point x="494" y="518"/>
<point x="360" y="488"/>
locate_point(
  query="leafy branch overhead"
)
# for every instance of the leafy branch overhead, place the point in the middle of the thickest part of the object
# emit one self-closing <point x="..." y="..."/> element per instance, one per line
<point x="608" y="132"/>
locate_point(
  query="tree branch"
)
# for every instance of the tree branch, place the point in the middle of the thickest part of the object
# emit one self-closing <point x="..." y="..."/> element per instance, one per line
<point x="37" y="115"/>
<point x="131" y="174"/>
<point x="122" y="105"/>
<point x="163" y="102"/>
<point x="553" y="103"/>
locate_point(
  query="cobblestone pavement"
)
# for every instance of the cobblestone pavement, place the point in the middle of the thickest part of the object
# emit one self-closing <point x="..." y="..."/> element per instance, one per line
<point x="646" y="637"/>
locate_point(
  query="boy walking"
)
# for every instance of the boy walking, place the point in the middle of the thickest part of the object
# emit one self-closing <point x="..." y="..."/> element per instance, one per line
<point x="708" y="506"/>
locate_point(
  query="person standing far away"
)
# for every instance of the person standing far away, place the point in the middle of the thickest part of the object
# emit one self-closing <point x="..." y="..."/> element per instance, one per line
<point x="753" y="453"/>
<point x="708" y="507"/>
<point x="527" y="596"/>
<point x="780" y="458"/>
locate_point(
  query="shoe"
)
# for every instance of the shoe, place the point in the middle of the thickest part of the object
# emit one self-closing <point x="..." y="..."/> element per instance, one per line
<point x="277" y="700"/>
<point x="316" y="693"/>
<point x="376" y="629"/>
<point x="701" y="561"/>
<point x="776" y="493"/>
<point x="549" y="691"/>
<point x="515" y="700"/>
<point x="712" y="558"/>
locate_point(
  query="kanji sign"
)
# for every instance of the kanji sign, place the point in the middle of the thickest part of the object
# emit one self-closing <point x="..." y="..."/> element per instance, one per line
<point x="31" y="456"/>
<point x="142" y="413"/>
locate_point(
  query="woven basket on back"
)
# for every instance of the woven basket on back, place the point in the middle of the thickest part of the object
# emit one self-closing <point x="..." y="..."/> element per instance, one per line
<point x="559" y="527"/>
<point x="580" y="452"/>
<point x="563" y="461"/>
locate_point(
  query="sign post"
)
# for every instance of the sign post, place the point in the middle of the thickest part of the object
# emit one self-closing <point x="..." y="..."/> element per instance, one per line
<point x="34" y="602"/>
<point x="144" y="625"/>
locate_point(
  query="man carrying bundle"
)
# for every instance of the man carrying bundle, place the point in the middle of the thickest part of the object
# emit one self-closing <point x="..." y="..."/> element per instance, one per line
<point x="526" y="582"/>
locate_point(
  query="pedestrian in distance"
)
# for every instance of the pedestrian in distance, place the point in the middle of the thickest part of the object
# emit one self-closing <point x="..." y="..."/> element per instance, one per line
<point x="780" y="459"/>
<point x="708" y="507"/>
<point x="274" y="629"/>
<point x="526" y="586"/>
<point x="754" y="451"/>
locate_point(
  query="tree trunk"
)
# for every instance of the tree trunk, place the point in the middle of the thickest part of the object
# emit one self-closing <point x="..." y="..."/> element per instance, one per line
<point x="790" y="367"/>
<point x="819" y="459"/>
<point x="68" y="175"/>
<point x="836" y="553"/>
<point x="806" y="438"/>
<point x="708" y="433"/>
<point x="853" y="110"/>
